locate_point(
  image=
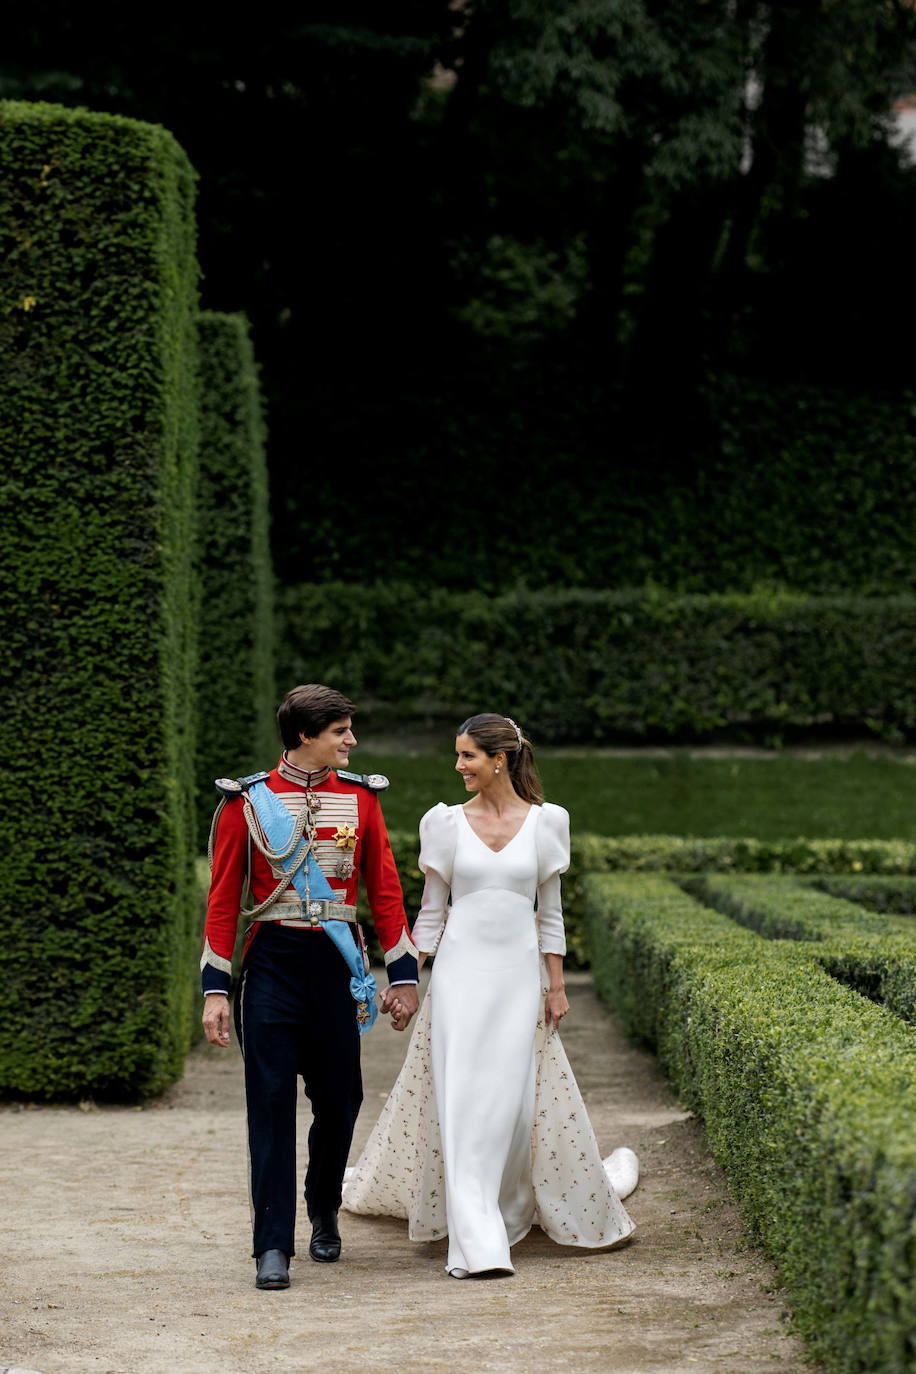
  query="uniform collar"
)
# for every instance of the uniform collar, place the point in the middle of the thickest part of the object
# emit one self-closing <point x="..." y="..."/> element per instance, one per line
<point x="301" y="776"/>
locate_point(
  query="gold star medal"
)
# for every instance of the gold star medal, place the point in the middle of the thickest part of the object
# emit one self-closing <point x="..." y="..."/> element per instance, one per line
<point x="345" y="838"/>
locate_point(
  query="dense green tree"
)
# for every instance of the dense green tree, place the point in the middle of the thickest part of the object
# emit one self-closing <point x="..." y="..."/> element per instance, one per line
<point x="692" y="145"/>
<point x="499" y="254"/>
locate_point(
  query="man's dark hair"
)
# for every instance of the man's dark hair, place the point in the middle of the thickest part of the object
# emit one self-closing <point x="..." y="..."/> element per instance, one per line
<point x="308" y="710"/>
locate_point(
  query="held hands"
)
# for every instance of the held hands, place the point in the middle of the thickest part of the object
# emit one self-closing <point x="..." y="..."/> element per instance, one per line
<point x="555" y="1007"/>
<point x="216" y="1019"/>
<point x="402" y="1002"/>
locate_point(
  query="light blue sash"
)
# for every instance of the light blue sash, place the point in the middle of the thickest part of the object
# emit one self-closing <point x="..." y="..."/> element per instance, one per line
<point x="311" y="885"/>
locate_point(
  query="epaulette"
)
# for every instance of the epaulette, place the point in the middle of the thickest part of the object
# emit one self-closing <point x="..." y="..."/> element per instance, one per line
<point x="233" y="787"/>
<point x="375" y="782"/>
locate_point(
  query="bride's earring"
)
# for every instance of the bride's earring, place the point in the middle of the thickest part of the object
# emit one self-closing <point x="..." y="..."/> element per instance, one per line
<point x="497" y="768"/>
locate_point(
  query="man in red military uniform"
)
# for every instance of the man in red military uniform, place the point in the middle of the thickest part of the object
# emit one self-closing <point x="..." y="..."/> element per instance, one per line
<point x="295" y="1014"/>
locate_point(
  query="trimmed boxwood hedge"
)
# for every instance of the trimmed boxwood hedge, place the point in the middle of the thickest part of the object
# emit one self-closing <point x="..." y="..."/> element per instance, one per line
<point x="686" y="854"/>
<point x="780" y="909"/>
<point x="808" y="1095"/>
<point x="844" y="859"/>
<point x="99" y="352"/>
<point x="874" y="954"/>
<point x="603" y="665"/>
<point x="236" y="726"/>
<point x="805" y="484"/>
<point x="877" y="893"/>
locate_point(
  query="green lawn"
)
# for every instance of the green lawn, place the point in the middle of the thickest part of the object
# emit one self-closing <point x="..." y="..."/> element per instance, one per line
<point x="855" y="797"/>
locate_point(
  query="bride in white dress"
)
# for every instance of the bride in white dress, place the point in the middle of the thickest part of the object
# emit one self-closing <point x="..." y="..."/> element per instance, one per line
<point x="485" y="1132"/>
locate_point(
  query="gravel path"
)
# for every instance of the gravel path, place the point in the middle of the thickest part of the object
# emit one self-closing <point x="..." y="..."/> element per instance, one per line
<point x="125" y="1235"/>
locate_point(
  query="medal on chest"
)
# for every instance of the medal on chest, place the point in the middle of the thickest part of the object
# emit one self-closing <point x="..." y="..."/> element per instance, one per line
<point x="345" y="837"/>
<point x="332" y="829"/>
<point x="336" y="835"/>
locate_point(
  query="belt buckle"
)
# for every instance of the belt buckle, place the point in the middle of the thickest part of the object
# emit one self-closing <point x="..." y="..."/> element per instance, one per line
<point x="312" y="912"/>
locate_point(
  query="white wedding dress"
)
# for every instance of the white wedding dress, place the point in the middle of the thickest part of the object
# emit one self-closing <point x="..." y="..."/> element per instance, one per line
<point x="485" y="1132"/>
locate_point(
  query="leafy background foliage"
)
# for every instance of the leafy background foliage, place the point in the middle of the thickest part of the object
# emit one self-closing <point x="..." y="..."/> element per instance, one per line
<point x="630" y="301"/>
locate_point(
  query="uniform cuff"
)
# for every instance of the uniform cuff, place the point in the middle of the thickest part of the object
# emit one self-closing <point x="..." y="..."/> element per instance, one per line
<point x="403" y="970"/>
<point x="215" y="972"/>
<point x="401" y="961"/>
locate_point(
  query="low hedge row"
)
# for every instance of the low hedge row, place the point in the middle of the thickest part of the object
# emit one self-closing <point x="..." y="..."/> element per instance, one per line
<point x="877" y="893"/>
<point x="873" y="954"/>
<point x="237" y="731"/>
<point x="780" y="909"/>
<point x="672" y="853"/>
<point x="598" y="665"/>
<point x="99" y="356"/>
<point x="679" y="854"/>
<point x="808" y="1093"/>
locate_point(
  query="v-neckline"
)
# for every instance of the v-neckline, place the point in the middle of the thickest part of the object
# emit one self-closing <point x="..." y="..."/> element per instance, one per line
<point x="489" y="846"/>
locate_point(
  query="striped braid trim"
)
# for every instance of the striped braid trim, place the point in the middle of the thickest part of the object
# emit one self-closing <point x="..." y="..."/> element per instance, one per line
<point x="404" y="946"/>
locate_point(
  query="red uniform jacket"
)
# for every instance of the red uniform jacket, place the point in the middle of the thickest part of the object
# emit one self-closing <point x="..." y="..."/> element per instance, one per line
<point x="343" y="804"/>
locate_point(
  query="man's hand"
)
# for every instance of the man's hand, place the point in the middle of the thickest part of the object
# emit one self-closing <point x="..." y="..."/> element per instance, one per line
<point x="216" y="1019"/>
<point x="402" y="1001"/>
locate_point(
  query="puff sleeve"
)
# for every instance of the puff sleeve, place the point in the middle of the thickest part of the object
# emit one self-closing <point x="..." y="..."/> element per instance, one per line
<point x="437" y="857"/>
<point x="553" y="859"/>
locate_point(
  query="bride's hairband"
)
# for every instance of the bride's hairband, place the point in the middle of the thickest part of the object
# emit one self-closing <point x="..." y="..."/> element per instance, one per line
<point x="518" y="733"/>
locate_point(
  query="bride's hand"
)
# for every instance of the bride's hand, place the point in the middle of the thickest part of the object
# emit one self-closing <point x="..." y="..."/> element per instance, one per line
<point x="400" y="1017"/>
<point x="556" y="1006"/>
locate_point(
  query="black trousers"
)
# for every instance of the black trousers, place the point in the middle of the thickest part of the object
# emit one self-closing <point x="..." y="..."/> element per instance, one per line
<point x="295" y="1017"/>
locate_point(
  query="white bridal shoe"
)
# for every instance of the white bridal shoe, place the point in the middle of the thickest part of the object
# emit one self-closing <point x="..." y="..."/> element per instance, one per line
<point x="622" y="1169"/>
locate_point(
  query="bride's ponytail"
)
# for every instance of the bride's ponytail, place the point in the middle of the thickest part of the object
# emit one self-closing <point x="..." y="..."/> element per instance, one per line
<point x="492" y="733"/>
<point x="524" y="774"/>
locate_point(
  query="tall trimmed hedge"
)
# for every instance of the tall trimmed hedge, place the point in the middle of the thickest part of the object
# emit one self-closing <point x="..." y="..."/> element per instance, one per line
<point x="807" y="1089"/>
<point x="236" y="727"/>
<point x="757" y="481"/>
<point x="593" y="665"/>
<point x="99" y="357"/>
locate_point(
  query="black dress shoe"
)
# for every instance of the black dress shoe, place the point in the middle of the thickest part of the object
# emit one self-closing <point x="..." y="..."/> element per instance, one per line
<point x="273" y="1270"/>
<point x="325" y="1243"/>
